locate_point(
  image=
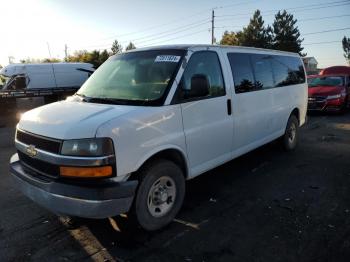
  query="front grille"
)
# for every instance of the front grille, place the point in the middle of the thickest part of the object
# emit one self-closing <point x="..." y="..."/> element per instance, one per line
<point x="320" y="98"/>
<point x="44" y="143"/>
<point x="42" y="167"/>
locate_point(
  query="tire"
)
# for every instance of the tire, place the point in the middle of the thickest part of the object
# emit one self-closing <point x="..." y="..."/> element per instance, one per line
<point x="159" y="196"/>
<point x="290" y="137"/>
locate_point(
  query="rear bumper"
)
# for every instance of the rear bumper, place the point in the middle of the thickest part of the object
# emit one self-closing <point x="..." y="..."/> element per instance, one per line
<point x="98" y="200"/>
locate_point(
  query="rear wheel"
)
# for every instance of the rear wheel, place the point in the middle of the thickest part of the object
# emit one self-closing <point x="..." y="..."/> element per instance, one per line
<point x="159" y="196"/>
<point x="290" y="137"/>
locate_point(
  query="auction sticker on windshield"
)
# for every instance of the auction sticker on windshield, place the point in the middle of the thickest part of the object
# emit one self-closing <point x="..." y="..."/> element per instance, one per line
<point x="167" y="58"/>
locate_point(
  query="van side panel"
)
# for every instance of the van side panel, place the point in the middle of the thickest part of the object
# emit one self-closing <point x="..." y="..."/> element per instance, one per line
<point x="40" y="76"/>
<point x="69" y="75"/>
<point x="261" y="115"/>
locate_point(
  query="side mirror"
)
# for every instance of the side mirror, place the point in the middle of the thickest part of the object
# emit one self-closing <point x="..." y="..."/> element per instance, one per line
<point x="199" y="86"/>
<point x="20" y="82"/>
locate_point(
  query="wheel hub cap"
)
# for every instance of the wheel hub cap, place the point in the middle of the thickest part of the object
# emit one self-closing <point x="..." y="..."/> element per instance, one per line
<point x="161" y="196"/>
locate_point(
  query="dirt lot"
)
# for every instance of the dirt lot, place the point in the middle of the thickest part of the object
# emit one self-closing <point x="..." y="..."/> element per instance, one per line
<point x="265" y="206"/>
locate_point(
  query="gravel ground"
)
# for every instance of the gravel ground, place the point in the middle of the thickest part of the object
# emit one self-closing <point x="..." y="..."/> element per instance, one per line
<point x="267" y="205"/>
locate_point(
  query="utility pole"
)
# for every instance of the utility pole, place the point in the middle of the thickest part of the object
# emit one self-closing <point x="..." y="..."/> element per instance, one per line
<point x="11" y="59"/>
<point x="65" y="52"/>
<point x="48" y="48"/>
<point x="212" y="27"/>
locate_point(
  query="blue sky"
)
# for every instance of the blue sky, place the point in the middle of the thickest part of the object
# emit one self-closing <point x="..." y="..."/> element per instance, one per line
<point x="30" y="26"/>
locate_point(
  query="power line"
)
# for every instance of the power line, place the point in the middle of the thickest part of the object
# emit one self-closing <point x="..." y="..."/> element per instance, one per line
<point x="319" y="18"/>
<point x="301" y="20"/>
<point x="175" y="32"/>
<point x="187" y="17"/>
<point x="303" y="8"/>
<point x="182" y="36"/>
<point x="327" y="31"/>
<point x="196" y="24"/>
<point x="319" y="43"/>
<point x="161" y="35"/>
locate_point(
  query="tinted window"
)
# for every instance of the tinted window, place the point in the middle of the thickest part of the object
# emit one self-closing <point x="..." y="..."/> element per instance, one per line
<point x="242" y="72"/>
<point x="204" y="63"/>
<point x="262" y="71"/>
<point x="288" y="70"/>
<point x="253" y="72"/>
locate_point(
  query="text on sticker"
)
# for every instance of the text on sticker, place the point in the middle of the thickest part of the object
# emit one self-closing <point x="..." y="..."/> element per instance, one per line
<point x="167" y="58"/>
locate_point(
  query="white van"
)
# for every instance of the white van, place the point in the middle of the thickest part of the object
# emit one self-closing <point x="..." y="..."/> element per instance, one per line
<point x="149" y="119"/>
<point x="44" y="76"/>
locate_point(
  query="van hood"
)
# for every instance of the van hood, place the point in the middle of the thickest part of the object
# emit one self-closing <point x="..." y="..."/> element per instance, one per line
<point x="70" y="120"/>
<point x="325" y="90"/>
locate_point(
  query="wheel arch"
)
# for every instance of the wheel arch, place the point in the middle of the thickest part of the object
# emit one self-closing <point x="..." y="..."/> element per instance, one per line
<point x="173" y="154"/>
<point x="296" y="113"/>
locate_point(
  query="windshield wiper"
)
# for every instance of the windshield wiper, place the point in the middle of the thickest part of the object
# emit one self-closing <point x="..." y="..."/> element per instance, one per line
<point x="106" y="100"/>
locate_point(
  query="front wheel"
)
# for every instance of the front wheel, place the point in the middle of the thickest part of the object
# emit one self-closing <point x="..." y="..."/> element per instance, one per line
<point x="290" y="137"/>
<point x="160" y="195"/>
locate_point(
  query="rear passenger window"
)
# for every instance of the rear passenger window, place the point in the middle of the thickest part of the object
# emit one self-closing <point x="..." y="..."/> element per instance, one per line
<point x="287" y="70"/>
<point x="242" y="72"/>
<point x="252" y="72"/>
<point x="262" y="71"/>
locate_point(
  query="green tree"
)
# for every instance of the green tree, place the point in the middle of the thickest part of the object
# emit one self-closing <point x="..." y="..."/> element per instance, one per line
<point x="29" y="60"/>
<point x="116" y="47"/>
<point x="130" y="46"/>
<point x="346" y="48"/>
<point x="94" y="57"/>
<point x="104" y="56"/>
<point x="286" y="35"/>
<point x="229" y="38"/>
<point x="255" y="34"/>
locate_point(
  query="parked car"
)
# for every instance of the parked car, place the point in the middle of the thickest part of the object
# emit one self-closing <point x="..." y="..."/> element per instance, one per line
<point x="149" y="119"/>
<point x="330" y="90"/>
<point x="52" y="81"/>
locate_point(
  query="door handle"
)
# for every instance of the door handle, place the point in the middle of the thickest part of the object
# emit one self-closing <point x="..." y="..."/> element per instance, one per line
<point x="229" y="107"/>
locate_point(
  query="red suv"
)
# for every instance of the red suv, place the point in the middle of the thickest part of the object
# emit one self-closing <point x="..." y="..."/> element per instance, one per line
<point x="329" y="91"/>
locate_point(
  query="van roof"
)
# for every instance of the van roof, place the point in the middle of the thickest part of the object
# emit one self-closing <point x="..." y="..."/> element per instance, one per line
<point x="189" y="46"/>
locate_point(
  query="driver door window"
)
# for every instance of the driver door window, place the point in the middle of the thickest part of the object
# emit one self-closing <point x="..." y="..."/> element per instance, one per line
<point x="203" y="63"/>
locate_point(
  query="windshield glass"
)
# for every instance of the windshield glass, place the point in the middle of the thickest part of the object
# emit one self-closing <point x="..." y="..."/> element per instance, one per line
<point x="3" y="80"/>
<point x="327" y="81"/>
<point x="141" y="77"/>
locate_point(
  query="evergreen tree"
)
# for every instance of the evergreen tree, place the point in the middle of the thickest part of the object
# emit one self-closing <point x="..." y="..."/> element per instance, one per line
<point x="104" y="55"/>
<point x="116" y="47"/>
<point x="286" y="35"/>
<point x="229" y="38"/>
<point x="255" y="34"/>
<point x="346" y="48"/>
<point x="130" y="46"/>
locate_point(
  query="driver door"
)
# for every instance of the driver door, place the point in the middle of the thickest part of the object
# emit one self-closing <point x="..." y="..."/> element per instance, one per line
<point x="207" y="121"/>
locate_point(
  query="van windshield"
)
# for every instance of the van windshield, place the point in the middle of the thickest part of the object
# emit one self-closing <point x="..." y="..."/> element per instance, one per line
<point x="326" y="81"/>
<point x="137" y="78"/>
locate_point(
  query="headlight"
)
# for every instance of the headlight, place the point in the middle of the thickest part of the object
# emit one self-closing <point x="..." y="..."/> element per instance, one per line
<point x="334" y="96"/>
<point x="88" y="147"/>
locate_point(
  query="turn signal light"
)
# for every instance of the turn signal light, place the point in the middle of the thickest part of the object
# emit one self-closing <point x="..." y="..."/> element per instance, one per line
<point x="86" y="172"/>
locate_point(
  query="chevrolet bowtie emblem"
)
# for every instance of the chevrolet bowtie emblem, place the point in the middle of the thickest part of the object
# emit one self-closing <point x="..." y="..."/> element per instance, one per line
<point x="31" y="151"/>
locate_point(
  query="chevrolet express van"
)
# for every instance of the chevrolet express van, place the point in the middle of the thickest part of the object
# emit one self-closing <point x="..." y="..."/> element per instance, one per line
<point x="149" y="119"/>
